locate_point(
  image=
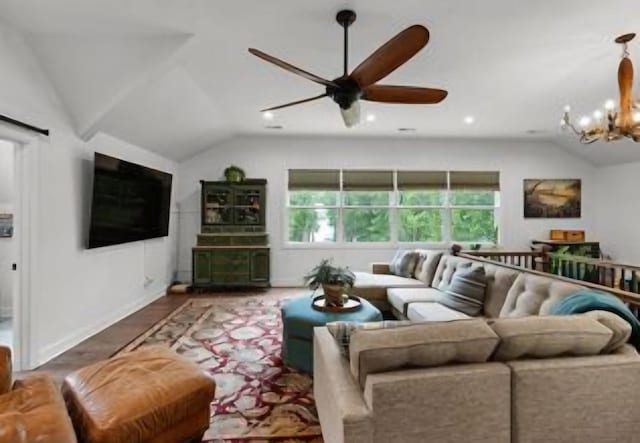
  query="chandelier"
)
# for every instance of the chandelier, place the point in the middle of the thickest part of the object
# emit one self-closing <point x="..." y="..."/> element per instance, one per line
<point x="613" y="124"/>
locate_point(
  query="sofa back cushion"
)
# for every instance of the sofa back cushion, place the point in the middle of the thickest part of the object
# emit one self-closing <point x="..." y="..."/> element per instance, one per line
<point x="535" y="295"/>
<point x="447" y="266"/>
<point x="549" y="336"/>
<point x="467" y="290"/>
<point x="499" y="281"/>
<point x="427" y="263"/>
<point x="420" y="345"/>
<point x="404" y="263"/>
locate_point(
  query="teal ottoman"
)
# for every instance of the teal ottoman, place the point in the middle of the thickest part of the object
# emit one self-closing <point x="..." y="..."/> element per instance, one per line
<point x="298" y="321"/>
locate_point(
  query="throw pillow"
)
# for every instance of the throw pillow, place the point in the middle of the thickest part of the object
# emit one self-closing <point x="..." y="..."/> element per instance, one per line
<point x="467" y="291"/>
<point x="404" y="263"/>
<point x="343" y="330"/>
<point x="549" y="337"/>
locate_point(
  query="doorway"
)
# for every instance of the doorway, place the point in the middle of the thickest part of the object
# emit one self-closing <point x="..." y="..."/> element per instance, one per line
<point x="8" y="241"/>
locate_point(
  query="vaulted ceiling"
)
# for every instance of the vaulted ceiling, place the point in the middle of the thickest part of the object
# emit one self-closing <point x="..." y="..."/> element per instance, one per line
<point x="175" y="76"/>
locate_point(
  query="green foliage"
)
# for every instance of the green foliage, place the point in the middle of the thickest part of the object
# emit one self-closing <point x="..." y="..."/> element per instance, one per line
<point x="473" y="225"/>
<point x="364" y="222"/>
<point x="420" y="225"/>
<point x="234" y="173"/>
<point x="325" y="273"/>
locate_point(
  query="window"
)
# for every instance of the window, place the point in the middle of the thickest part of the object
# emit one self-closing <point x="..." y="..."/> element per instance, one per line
<point x="313" y="205"/>
<point x="368" y="206"/>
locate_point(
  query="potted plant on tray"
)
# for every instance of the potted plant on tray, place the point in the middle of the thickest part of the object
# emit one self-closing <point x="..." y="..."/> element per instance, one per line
<point x="336" y="282"/>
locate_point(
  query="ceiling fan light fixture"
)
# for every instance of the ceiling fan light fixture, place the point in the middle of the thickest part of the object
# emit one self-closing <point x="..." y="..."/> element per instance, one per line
<point x="351" y="115"/>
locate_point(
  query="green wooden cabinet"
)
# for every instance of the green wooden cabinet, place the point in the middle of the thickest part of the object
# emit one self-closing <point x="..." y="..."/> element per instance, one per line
<point x="232" y="249"/>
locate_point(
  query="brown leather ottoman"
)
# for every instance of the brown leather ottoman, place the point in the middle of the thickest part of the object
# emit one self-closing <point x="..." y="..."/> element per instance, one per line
<point x="148" y="396"/>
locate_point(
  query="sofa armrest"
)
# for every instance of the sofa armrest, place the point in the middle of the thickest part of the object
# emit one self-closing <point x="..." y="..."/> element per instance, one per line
<point x="455" y="403"/>
<point x="380" y="268"/>
<point x="343" y="413"/>
<point x="5" y="369"/>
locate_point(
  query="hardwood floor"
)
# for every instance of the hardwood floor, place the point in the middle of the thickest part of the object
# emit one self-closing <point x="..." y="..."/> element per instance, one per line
<point x="111" y="340"/>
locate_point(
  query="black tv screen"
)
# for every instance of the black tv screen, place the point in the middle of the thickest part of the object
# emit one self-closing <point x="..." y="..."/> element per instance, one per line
<point x="130" y="202"/>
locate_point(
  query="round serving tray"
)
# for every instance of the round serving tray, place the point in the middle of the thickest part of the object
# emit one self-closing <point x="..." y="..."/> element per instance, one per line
<point x="353" y="303"/>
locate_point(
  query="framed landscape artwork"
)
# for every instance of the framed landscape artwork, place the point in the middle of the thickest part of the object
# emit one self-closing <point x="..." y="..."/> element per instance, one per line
<point x="555" y="198"/>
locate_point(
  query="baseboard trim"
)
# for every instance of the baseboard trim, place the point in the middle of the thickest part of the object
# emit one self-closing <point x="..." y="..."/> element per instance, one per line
<point x="54" y="349"/>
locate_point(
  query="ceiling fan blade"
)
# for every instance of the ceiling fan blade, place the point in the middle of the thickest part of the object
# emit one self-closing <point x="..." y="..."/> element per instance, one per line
<point x="289" y="67"/>
<point x="388" y="57"/>
<point x="294" y="103"/>
<point x="403" y="94"/>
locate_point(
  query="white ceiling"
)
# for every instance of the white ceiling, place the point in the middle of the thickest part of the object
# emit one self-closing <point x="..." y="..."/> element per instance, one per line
<point x="175" y="76"/>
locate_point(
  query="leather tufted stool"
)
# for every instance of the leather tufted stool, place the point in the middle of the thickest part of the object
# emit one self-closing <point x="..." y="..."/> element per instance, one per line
<point x="147" y="396"/>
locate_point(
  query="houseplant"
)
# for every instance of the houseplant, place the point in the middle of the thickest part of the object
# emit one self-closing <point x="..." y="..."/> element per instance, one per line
<point x="234" y="174"/>
<point x="336" y="282"/>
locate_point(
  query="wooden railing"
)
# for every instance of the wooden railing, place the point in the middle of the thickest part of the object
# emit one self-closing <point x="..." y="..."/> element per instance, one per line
<point x="525" y="259"/>
<point x="630" y="297"/>
<point x="603" y="272"/>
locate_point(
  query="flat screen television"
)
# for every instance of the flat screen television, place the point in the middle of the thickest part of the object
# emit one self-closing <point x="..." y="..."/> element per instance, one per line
<point x="130" y="202"/>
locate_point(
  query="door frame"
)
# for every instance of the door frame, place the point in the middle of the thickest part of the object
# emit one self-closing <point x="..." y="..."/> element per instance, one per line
<point x="26" y="204"/>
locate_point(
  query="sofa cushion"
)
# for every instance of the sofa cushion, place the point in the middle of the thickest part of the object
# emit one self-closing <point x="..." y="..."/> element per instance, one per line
<point x="499" y="281"/>
<point x="342" y="331"/>
<point x="367" y="280"/>
<point x="466" y="292"/>
<point x="549" y="336"/>
<point x="535" y="295"/>
<point x="404" y="263"/>
<point x="433" y="312"/>
<point x="447" y="266"/>
<point x="427" y="265"/>
<point x="420" y="345"/>
<point x="620" y="327"/>
<point x="400" y="298"/>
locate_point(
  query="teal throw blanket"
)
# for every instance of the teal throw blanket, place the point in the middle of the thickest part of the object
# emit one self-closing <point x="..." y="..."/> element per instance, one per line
<point x="587" y="300"/>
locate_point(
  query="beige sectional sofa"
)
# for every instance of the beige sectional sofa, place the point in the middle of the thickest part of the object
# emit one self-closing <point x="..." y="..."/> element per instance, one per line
<point x="514" y="374"/>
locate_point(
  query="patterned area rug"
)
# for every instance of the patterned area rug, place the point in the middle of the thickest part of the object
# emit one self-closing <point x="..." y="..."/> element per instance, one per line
<point x="238" y="341"/>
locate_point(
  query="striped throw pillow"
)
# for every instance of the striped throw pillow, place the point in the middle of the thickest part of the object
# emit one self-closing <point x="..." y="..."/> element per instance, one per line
<point x="467" y="291"/>
<point x="404" y="263"/>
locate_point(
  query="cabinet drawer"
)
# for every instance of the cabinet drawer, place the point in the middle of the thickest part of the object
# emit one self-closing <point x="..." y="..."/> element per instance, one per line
<point x="230" y="278"/>
<point x="232" y="240"/>
<point x="230" y="257"/>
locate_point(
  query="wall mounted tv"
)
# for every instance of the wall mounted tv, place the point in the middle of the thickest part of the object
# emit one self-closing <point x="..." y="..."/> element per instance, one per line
<point x="130" y="202"/>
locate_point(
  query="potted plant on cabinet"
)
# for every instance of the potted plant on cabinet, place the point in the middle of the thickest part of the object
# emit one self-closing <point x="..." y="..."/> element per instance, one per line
<point x="336" y="282"/>
<point x="234" y="174"/>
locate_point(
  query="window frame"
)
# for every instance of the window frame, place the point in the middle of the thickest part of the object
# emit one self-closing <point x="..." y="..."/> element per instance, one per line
<point x="394" y="208"/>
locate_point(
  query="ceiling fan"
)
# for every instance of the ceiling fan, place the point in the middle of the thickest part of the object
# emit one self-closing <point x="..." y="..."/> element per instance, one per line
<point x="348" y="89"/>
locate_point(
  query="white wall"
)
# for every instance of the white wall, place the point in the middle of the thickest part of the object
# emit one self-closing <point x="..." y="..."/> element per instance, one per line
<point x="270" y="157"/>
<point x="77" y="291"/>
<point x="7" y="248"/>
<point x="619" y="212"/>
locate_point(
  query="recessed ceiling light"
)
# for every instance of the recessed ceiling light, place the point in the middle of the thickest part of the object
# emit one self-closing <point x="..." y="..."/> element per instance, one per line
<point x="268" y="115"/>
<point x="371" y="118"/>
<point x="597" y="114"/>
<point x="469" y="119"/>
<point x="274" y="127"/>
<point x="584" y="121"/>
<point x="406" y="129"/>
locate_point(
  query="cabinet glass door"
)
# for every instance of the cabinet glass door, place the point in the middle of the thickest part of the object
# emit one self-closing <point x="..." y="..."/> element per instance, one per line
<point x="217" y="206"/>
<point x="248" y="206"/>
